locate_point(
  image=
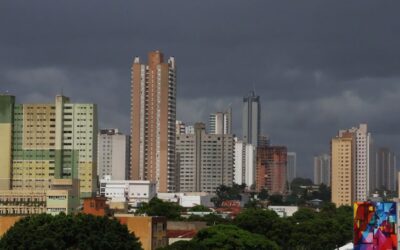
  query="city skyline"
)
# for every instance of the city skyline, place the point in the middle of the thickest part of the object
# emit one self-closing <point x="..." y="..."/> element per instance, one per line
<point x="87" y="56"/>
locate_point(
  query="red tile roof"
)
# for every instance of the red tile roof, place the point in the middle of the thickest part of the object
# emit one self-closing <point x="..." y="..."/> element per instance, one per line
<point x="181" y="233"/>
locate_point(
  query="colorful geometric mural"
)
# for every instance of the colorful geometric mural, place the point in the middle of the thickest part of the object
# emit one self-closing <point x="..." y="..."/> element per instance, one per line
<point x="375" y="226"/>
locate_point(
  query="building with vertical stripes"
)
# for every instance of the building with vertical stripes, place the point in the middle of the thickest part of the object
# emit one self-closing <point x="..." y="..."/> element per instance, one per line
<point x="41" y="142"/>
<point x="153" y="121"/>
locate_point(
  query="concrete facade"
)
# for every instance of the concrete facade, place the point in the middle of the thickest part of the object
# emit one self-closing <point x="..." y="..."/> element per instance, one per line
<point x="322" y="169"/>
<point x="351" y="170"/>
<point x="152" y="231"/>
<point x="153" y="118"/>
<point x="363" y="163"/>
<point x="343" y="161"/>
<point x="245" y="161"/>
<point x="48" y="141"/>
<point x="205" y="160"/>
<point x="251" y="119"/>
<point x="63" y="196"/>
<point x="113" y="154"/>
<point x="291" y="172"/>
<point x="221" y="122"/>
<point x="133" y="192"/>
<point x="271" y="169"/>
<point x="386" y="170"/>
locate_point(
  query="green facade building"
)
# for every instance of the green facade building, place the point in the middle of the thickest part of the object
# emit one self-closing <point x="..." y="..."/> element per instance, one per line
<point x="40" y="142"/>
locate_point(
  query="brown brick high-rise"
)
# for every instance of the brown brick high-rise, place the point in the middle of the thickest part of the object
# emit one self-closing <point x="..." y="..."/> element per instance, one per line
<point x="153" y="116"/>
<point x="271" y="169"/>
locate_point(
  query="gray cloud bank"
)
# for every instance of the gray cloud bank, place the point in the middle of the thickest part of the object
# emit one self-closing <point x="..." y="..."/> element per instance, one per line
<point x="318" y="65"/>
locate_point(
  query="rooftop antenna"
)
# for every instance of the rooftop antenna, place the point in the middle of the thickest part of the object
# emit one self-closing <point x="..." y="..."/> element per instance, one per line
<point x="254" y="88"/>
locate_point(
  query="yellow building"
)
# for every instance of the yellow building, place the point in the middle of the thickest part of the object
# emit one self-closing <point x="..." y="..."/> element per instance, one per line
<point x="343" y="158"/>
<point x="63" y="196"/>
<point x="41" y="142"/>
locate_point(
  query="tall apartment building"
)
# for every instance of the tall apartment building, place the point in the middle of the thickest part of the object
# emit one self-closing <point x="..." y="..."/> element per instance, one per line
<point x="153" y="118"/>
<point x="263" y="141"/>
<point x="251" y="119"/>
<point x="343" y="157"/>
<point x="221" y="122"/>
<point x="41" y="142"/>
<point x="291" y="166"/>
<point x="205" y="160"/>
<point x="271" y="169"/>
<point x="189" y="129"/>
<point x="180" y="127"/>
<point x="244" y="166"/>
<point x="113" y="154"/>
<point x="363" y="163"/>
<point x="386" y="170"/>
<point x="322" y="169"/>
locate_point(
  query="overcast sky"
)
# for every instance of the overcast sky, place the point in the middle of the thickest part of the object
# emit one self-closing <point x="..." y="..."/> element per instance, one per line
<point x="318" y="66"/>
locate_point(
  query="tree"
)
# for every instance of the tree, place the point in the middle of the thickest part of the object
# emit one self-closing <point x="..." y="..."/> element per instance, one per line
<point x="184" y="245"/>
<point x="157" y="207"/>
<point x="263" y="195"/>
<point x="324" y="193"/>
<point x="252" y="203"/>
<point x="68" y="232"/>
<point x="199" y="208"/>
<point x="256" y="220"/>
<point x="211" y="219"/>
<point x="304" y="214"/>
<point x="232" y="237"/>
<point x="297" y="182"/>
<point x="224" y="193"/>
<point x="276" y="199"/>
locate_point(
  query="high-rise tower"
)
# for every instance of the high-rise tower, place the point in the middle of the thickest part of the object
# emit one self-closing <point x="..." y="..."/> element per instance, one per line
<point x="351" y="165"/>
<point x="221" y="122"/>
<point x="153" y="117"/>
<point x="40" y="142"/>
<point x="251" y="119"/>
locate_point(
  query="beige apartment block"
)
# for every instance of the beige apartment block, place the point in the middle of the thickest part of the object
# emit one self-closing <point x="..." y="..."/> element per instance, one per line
<point x="41" y="142"/>
<point x="153" y="117"/>
<point x="343" y="157"/>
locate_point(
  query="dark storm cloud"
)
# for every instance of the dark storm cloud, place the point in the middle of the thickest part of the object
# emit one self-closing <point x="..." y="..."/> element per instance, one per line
<point x="318" y="65"/>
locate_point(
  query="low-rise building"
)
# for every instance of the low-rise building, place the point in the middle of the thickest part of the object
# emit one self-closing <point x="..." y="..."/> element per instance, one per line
<point x="194" y="199"/>
<point x="284" y="211"/>
<point x="95" y="206"/>
<point x="132" y="191"/>
<point x="152" y="231"/>
<point x="21" y="202"/>
<point x="189" y="199"/>
<point x="63" y="196"/>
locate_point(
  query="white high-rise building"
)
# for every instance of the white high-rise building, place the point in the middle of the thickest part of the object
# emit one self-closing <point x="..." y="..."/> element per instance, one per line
<point x="189" y="129"/>
<point x="244" y="168"/>
<point x="221" y="122"/>
<point x="291" y="166"/>
<point x="322" y="169"/>
<point x="362" y="146"/>
<point x="113" y="154"/>
<point x="180" y="127"/>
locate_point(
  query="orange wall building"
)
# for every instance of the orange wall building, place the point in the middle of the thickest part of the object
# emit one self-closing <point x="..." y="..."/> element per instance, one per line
<point x="153" y="116"/>
<point x="6" y="222"/>
<point x="271" y="169"/>
<point x="152" y="231"/>
<point x="95" y="206"/>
